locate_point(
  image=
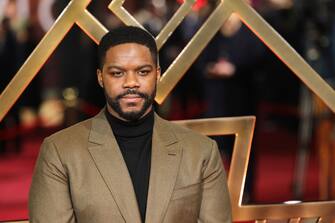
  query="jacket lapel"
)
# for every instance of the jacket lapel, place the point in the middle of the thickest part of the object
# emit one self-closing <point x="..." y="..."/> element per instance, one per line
<point x="165" y="160"/>
<point x="110" y="163"/>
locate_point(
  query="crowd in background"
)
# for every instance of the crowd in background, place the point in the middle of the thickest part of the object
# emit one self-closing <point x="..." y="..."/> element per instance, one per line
<point x="235" y="75"/>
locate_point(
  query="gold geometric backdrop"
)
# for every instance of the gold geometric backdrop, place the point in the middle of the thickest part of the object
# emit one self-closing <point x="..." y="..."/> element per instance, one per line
<point x="76" y="13"/>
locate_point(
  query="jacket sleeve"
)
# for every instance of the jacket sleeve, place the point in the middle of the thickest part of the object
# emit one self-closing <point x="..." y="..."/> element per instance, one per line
<point x="215" y="204"/>
<point x="49" y="197"/>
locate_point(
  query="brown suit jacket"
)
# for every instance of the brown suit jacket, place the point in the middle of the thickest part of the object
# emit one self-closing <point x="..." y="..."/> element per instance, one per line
<point x="80" y="176"/>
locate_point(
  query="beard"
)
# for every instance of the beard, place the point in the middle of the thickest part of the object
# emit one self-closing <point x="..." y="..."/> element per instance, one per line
<point x="114" y="103"/>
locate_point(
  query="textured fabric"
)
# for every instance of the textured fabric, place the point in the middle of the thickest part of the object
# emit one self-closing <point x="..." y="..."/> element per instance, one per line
<point x="134" y="140"/>
<point x="80" y="176"/>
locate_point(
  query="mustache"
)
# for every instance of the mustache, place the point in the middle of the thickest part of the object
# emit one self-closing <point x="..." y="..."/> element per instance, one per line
<point x="132" y="91"/>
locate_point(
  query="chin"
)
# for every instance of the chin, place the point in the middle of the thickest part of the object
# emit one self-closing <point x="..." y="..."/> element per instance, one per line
<point x="135" y="110"/>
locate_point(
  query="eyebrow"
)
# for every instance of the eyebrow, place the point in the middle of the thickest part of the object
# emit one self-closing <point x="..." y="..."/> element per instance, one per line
<point x="145" y="66"/>
<point x="137" y="68"/>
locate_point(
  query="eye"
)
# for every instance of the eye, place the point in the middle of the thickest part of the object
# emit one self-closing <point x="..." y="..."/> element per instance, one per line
<point x="143" y="72"/>
<point x="116" y="73"/>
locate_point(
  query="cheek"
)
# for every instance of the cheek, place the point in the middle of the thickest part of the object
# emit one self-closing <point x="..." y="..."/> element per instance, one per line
<point x="149" y="85"/>
<point x="111" y="90"/>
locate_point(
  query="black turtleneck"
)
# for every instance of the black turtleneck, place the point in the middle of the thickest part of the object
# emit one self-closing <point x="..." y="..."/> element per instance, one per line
<point x="135" y="139"/>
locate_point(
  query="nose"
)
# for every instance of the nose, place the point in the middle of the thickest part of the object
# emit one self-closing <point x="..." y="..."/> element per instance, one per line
<point x="131" y="80"/>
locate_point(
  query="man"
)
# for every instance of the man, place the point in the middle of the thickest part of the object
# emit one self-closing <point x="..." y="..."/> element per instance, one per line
<point x="127" y="164"/>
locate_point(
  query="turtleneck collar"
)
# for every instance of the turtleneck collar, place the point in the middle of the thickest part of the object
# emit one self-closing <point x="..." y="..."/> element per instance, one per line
<point x="131" y="128"/>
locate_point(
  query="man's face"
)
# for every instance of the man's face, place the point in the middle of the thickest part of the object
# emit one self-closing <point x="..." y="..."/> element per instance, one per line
<point x="129" y="76"/>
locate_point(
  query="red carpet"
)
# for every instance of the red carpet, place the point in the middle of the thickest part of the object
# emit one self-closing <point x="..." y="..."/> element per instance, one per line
<point x="274" y="169"/>
<point x="15" y="178"/>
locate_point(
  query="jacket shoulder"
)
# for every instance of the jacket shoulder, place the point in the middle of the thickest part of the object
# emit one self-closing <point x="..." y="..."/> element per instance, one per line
<point x="188" y="136"/>
<point x="80" y="130"/>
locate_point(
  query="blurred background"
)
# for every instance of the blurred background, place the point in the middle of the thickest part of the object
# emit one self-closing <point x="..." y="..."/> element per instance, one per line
<point x="293" y="148"/>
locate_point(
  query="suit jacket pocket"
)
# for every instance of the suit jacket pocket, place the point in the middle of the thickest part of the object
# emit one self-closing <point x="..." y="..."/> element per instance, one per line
<point x="190" y="190"/>
<point x="184" y="205"/>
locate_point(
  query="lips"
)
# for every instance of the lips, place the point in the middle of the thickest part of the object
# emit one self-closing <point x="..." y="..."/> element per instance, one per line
<point x="132" y="98"/>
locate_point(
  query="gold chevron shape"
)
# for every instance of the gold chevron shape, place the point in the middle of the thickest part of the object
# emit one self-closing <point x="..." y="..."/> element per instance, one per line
<point x="40" y="54"/>
<point x="243" y="128"/>
<point x="116" y="7"/>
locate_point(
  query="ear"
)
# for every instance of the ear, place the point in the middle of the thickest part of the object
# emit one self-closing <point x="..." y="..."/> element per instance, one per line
<point x="99" y="77"/>
<point x="158" y="73"/>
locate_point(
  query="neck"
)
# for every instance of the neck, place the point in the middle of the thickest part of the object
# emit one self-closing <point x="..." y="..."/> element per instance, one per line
<point x="131" y="128"/>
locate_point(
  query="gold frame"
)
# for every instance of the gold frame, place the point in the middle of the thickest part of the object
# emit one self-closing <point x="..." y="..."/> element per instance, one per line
<point x="243" y="128"/>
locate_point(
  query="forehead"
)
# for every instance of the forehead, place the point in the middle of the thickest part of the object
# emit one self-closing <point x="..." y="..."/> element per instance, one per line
<point x="128" y="52"/>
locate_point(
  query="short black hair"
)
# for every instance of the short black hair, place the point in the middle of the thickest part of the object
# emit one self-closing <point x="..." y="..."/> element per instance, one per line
<point x="126" y="34"/>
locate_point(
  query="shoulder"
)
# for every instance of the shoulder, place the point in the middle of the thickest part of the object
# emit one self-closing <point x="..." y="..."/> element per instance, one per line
<point x="69" y="142"/>
<point x="73" y="133"/>
<point x="190" y="139"/>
